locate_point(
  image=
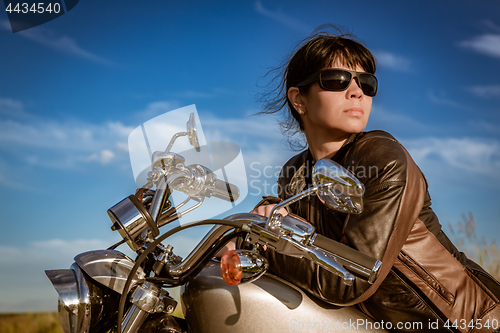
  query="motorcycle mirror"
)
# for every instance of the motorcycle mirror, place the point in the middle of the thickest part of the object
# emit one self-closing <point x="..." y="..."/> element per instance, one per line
<point x="344" y="192"/>
<point x="241" y="266"/>
<point x="191" y="132"/>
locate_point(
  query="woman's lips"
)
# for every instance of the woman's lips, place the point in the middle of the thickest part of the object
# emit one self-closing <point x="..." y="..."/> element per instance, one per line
<point x="355" y="111"/>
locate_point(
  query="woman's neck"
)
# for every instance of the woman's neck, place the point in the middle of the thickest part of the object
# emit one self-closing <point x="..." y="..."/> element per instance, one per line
<point x="323" y="146"/>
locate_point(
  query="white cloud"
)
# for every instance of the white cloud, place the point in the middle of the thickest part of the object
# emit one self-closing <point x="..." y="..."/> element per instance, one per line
<point x="47" y="254"/>
<point x="12" y="108"/>
<point x="491" y="25"/>
<point x="12" y="179"/>
<point x="53" y="40"/>
<point x="443" y="99"/>
<point x="104" y="157"/>
<point x="383" y="118"/>
<point x="23" y="266"/>
<point x="485" y="126"/>
<point x="59" y="143"/>
<point x="212" y="93"/>
<point x="262" y="146"/>
<point x="47" y="134"/>
<point x="478" y="157"/>
<point x="488" y="44"/>
<point x="255" y="127"/>
<point x="280" y="17"/>
<point x="155" y="109"/>
<point x="392" y="61"/>
<point x="491" y="91"/>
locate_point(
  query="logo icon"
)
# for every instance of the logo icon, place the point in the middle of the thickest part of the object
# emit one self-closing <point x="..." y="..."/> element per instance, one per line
<point x="166" y="145"/>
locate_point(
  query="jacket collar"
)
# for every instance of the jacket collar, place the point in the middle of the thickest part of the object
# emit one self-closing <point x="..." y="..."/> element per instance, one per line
<point x="302" y="177"/>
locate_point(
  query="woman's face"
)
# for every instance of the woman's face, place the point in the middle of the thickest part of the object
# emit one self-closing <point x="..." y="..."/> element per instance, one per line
<point x="336" y="113"/>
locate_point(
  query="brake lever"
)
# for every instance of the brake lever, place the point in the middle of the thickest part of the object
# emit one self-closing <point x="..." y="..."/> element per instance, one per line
<point x="291" y="247"/>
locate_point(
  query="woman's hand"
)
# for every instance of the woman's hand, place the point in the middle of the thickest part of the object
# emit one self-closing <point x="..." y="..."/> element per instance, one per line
<point x="265" y="210"/>
<point x="231" y="245"/>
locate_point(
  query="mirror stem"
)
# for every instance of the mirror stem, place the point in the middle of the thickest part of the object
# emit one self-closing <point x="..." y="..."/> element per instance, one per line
<point x="273" y="220"/>
<point x="173" y="140"/>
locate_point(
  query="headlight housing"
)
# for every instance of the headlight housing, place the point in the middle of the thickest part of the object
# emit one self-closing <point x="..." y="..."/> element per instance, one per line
<point x="83" y="305"/>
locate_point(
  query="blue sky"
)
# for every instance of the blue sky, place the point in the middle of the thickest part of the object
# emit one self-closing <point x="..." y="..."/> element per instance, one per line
<point x="72" y="90"/>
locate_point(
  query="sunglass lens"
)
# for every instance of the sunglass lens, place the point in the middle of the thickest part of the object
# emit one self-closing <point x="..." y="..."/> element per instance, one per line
<point x="369" y="84"/>
<point x="335" y="80"/>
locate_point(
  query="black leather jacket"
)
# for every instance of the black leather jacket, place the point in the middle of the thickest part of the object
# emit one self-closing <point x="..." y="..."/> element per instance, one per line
<point x="423" y="276"/>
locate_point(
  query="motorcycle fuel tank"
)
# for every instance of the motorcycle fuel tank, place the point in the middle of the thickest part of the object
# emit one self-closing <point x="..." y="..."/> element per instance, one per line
<point x="269" y="304"/>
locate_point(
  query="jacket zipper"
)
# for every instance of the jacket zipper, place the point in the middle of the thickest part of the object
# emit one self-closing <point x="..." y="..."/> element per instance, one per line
<point x="425" y="276"/>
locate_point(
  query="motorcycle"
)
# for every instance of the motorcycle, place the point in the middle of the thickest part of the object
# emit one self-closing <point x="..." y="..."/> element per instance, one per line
<point x="105" y="290"/>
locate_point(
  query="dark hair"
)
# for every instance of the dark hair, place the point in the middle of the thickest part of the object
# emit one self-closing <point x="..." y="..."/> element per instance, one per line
<point x="318" y="51"/>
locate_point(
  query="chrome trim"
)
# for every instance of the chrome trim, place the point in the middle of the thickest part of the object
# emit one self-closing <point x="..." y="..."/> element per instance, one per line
<point x="210" y="238"/>
<point x="83" y="318"/>
<point x="301" y="231"/>
<point x="274" y="217"/>
<point x="191" y="132"/>
<point x="172" y="141"/>
<point x="203" y="246"/>
<point x="344" y="192"/>
<point x="145" y="297"/>
<point x="178" y="215"/>
<point x="65" y="283"/>
<point x="132" y="219"/>
<point x="134" y="319"/>
<point x="110" y="268"/>
<point x="156" y="207"/>
<point x="74" y="298"/>
<point x="318" y="256"/>
<point x="165" y="219"/>
<point x="375" y="271"/>
<point x="293" y="238"/>
<point x="253" y="265"/>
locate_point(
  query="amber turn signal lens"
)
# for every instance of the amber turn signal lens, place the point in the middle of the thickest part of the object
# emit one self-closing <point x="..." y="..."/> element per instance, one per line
<point x="230" y="268"/>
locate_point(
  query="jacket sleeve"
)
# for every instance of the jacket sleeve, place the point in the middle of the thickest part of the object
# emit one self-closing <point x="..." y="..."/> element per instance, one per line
<point x="394" y="194"/>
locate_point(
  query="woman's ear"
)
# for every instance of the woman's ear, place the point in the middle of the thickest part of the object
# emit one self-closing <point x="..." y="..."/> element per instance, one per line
<point x="297" y="100"/>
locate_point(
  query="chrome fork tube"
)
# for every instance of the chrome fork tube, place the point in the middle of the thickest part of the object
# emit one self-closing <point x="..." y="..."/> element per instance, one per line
<point x="158" y="200"/>
<point x="210" y="238"/>
<point x="134" y="319"/>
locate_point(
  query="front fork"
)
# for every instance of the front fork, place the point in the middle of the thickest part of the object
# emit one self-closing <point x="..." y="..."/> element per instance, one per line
<point x="134" y="319"/>
<point x="146" y="299"/>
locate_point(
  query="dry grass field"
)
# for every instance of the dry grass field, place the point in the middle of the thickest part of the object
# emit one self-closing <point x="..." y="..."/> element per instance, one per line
<point x="483" y="251"/>
<point x="45" y="322"/>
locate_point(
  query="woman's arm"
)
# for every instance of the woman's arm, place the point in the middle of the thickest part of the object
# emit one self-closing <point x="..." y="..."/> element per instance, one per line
<point x="393" y="200"/>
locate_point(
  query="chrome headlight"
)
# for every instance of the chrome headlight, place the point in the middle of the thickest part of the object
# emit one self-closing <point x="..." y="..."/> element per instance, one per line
<point x="82" y="304"/>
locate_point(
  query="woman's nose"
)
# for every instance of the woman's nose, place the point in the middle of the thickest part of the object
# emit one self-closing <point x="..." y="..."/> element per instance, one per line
<point x="354" y="90"/>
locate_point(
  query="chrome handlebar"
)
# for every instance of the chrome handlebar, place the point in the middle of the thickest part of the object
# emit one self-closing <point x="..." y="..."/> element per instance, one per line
<point x="196" y="181"/>
<point x="294" y="238"/>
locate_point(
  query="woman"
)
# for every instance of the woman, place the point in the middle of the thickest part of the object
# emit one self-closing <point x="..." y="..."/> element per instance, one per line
<point x="327" y="87"/>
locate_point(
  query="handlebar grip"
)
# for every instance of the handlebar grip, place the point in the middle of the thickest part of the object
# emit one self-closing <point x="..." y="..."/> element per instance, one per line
<point x="225" y="191"/>
<point x="354" y="261"/>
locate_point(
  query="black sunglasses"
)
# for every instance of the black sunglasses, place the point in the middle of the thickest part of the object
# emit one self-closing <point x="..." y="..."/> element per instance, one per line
<point x="334" y="79"/>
